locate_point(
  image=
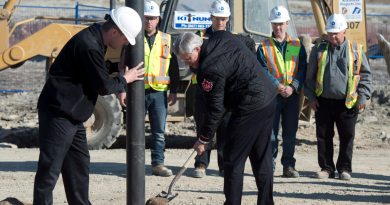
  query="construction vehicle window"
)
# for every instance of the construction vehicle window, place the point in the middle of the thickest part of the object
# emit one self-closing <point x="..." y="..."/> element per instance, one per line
<point x="191" y="5"/>
<point x="256" y="15"/>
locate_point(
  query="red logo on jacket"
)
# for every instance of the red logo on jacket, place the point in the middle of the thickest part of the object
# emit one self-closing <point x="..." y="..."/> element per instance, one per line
<point x="207" y="86"/>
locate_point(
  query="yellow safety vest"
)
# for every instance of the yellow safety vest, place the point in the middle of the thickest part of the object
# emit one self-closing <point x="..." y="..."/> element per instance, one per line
<point x="203" y="35"/>
<point x="355" y="62"/>
<point x="284" y="70"/>
<point x="157" y="62"/>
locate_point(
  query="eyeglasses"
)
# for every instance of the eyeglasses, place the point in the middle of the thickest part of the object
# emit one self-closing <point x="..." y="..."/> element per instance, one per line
<point x="188" y="59"/>
<point x="151" y="18"/>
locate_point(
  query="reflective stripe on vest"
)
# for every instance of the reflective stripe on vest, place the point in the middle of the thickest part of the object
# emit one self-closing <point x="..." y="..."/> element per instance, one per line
<point x="284" y="70"/>
<point x="157" y="62"/>
<point x="193" y="79"/>
<point x="203" y="34"/>
<point x="355" y="55"/>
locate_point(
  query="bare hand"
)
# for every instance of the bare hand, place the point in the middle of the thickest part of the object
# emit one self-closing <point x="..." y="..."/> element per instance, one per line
<point x="360" y="106"/>
<point x="200" y="147"/>
<point x="172" y="99"/>
<point x="122" y="98"/>
<point x="122" y="62"/>
<point x="132" y="74"/>
<point x="281" y="87"/>
<point x="314" y="105"/>
<point x="287" y="92"/>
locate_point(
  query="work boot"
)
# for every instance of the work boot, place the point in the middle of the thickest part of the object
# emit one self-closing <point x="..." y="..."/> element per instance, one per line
<point x="161" y="170"/>
<point x="291" y="173"/>
<point x="345" y="176"/>
<point x="199" y="172"/>
<point x="323" y="175"/>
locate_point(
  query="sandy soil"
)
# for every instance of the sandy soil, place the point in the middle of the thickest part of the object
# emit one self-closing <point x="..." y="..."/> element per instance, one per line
<point x="370" y="184"/>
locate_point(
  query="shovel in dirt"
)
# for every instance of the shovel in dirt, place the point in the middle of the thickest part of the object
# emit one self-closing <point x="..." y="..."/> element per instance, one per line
<point x="163" y="197"/>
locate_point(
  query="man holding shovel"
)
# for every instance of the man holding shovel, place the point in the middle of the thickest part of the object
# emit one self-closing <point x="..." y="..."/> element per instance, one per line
<point x="233" y="79"/>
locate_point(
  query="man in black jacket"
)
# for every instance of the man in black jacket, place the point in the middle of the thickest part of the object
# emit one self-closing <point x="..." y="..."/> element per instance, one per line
<point x="76" y="78"/>
<point x="233" y="79"/>
<point x="219" y="16"/>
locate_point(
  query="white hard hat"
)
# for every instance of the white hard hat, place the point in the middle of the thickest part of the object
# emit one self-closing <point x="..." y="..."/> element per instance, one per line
<point x="279" y="14"/>
<point x="336" y="23"/>
<point x="128" y="21"/>
<point x="220" y="8"/>
<point x="151" y="9"/>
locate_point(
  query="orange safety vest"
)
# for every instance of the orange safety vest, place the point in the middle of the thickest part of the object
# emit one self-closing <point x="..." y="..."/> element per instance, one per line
<point x="284" y="70"/>
<point x="355" y="62"/>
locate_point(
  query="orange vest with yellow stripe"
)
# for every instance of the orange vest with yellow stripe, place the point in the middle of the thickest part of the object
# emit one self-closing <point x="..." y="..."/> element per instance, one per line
<point x="157" y="62"/>
<point x="283" y="69"/>
<point x="355" y="62"/>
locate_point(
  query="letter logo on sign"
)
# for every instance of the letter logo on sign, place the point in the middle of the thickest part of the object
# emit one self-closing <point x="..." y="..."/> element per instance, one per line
<point x="345" y="10"/>
<point x="357" y="10"/>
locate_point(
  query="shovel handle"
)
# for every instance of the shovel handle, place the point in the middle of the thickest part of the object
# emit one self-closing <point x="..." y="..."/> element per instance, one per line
<point x="182" y="170"/>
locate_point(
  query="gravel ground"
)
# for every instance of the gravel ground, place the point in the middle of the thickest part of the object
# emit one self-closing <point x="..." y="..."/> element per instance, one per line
<point x="370" y="183"/>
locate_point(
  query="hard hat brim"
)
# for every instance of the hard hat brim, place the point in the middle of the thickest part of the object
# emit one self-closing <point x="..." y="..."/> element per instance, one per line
<point x="221" y="14"/>
<point x="279" y="20"/>
<point x="334" y="30"/>
<point x="151" y="14"/>
<point x="131" y="41"/>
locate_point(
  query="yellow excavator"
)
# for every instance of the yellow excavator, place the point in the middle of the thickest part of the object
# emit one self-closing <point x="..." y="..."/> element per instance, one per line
<point x="249" y="17"/>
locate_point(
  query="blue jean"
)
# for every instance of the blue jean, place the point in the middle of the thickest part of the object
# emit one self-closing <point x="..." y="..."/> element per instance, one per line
<point x="156" y="104"/>
<point x="288" y="109"/>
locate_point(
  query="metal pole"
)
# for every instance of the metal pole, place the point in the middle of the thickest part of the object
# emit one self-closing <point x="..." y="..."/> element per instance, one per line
<point x="112" y="4"/>
<point x="77" y="12"/>
<point x="135" y="113"/>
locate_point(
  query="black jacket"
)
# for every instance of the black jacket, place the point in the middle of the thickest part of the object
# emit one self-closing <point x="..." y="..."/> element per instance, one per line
<point x="250" y="43"/>
<point x="78" y="76"/>
<point x="231" y="77"/>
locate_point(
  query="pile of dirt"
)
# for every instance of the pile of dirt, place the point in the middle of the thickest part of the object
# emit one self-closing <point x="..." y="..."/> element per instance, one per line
<point x="379" y="109"/>
<point x="13" y="201"/>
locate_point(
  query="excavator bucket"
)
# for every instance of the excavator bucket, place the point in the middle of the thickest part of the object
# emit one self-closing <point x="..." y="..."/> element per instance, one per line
<point x="385" y="48"/>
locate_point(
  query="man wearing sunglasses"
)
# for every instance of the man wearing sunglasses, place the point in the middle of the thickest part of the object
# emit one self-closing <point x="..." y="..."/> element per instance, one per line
<point x="161" y="70"/>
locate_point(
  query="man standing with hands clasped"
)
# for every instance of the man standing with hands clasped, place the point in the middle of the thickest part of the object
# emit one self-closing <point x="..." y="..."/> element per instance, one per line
<point x="284" y="60"/>
<point x="338" y="85"/>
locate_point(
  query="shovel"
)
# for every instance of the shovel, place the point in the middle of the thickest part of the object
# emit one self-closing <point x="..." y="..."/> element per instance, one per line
<point x="164" y="197"/>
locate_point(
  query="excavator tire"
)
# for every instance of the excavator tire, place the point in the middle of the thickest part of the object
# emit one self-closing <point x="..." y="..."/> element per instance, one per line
<point x="105" y="124"/>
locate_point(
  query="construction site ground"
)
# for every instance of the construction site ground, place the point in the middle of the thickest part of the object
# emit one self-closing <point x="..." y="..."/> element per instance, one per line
<point x="370" y="182"/>
<point x="371" y="167"/>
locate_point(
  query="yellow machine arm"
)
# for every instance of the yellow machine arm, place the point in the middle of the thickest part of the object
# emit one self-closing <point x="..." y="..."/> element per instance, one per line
<point x="46" y="42"/>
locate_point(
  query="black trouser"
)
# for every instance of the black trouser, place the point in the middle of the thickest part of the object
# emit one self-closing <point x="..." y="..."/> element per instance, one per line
<point x="330" y="112"/>
<point x="203" y="160"/>
<point x="249" y="135"/>
<point x="63" y="149"/>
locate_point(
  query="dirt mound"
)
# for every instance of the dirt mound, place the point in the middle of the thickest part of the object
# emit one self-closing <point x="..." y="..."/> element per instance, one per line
<point x="379" y="109"/>
<point x="13" y="201"/>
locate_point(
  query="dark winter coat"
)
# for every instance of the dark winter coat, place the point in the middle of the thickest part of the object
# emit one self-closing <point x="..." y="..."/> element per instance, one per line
<point x="78" y="75"/>
<point x="230" y="76"/>
<point x="250" y="43"/>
